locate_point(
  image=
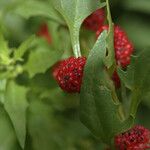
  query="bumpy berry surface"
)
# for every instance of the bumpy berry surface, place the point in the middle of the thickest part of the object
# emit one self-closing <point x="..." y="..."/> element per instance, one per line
<point x="69" y="74"/>
<point x="137" y="138"/>
<point x="43" y="32"/>
<point x="123" y="46"/>
<point x="95" y="20"/>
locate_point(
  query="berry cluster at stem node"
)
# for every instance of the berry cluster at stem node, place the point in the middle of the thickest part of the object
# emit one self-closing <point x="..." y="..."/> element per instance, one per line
<point x="68" y="74"/>
<point x="122" y="45"/>
<point x="95" y="20"/>
<point x="137" y="138"/>
<point x="123" y="49"/>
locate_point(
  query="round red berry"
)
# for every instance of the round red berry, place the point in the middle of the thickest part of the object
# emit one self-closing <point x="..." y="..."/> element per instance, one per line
<point x="122" y="45"/>
<point x="137" y="138"/>
<point x="95" y="20"/>
<point x="44" y="32"/>
<point x="123" y="49"/>
<point x="69" y="74"/>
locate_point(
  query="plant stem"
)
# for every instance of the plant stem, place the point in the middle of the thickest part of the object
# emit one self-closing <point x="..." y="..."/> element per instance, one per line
<point x="108" y="12"/>
<point x="75" y="43"/>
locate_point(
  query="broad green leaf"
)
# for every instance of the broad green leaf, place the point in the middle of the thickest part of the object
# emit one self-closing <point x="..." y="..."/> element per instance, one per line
<point x="74" y="13"/>
<point x="99" y="109"/>
<point x="42" y="58"/>
<point x="31" y="8"/>
<point x="16" y="104"/>
<point x="137" y="79"/>
<point x="24" y="47"/>
<point x="8" y="140"/>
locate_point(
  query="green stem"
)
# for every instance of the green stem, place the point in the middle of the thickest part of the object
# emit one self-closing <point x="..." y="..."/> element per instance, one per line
<point x="108" y="12"/>
<point x="75" y="43"/>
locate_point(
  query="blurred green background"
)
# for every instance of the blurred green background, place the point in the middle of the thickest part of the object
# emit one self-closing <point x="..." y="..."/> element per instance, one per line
<point x="52" y="116"/>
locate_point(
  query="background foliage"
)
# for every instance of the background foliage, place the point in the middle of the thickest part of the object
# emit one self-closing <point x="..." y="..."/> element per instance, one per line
<point x="45" y="117"/>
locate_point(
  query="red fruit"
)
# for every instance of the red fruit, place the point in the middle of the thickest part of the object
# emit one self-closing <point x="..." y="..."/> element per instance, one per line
<point x="69" y="74"/>
<point x="123" y="49"/>
<point x="123" y="46"/>
<point x="137" y="138"/>
<point x="95" y="20"/>
<point x="43" y="32"/>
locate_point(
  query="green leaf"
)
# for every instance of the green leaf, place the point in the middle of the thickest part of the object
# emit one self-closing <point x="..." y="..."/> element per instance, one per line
<point x="137" y="79"/>
<point x="24" y="47"/>
<point x="16" y="104"/>
<point x="42" y="58"/>
<point x="99" y="108"/>
<point x="8" y="140"/>
<point x="74" y="13"/>
<point x="31" y="8"/>
<point x="110" y="59"/>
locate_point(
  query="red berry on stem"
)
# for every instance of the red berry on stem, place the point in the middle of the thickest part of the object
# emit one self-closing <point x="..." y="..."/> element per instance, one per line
<point x="137" y="138"/>
<point x="69" y="74"/>
<point x="123" y="49"/>
<point x="43" y="32"/>
<point x="95" y="20"/>
<point x="122" y="45"/>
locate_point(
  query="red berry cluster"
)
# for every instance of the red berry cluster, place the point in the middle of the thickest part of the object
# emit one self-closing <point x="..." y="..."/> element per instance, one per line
<point x="95" y="20"/>
<point x="137" y="138"/>
<point x="122" y="44"/>
<point x="69" y="74"/>
<point x="123" y="49"/>
<point x="43" y="32"/>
